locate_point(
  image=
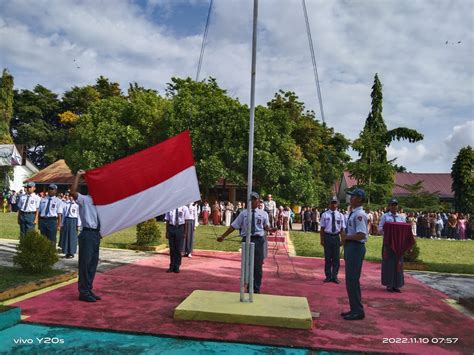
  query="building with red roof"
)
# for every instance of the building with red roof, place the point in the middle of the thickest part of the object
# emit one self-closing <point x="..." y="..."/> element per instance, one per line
<point x="435" y="183"/>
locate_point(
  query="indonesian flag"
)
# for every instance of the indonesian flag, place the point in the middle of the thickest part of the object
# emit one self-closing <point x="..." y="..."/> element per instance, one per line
<point x="144" y="185"/>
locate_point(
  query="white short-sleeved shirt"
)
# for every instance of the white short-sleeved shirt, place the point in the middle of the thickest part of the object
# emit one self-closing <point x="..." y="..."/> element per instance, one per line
<point x="33" y="202"/>
<point x="192" y="212"/>
<point x="261" y="221"/>
<point x="389" y="217"/>
<point x="87" y="211"/>
<point x="183" y="215"/>
<point x="358" y="223"/>
<point x="326" y="221"/>
<point x="54" y="206"/>
<point x="70" y="209"/>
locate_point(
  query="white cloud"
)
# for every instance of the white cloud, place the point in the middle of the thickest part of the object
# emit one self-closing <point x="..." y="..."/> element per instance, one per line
<point x="414" y="155"/>
<point x="461" y="136"/>
<point x="427" y="83"/>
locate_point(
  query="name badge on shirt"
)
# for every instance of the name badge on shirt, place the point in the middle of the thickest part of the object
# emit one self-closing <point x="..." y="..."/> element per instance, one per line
<point x="32" y="202"/>
<point x="180" y="214"/>
<point x="259" y="221"/>
<point x="73" y="210"/>
<point x="53" y="205"/>
<point x="338" y="221"/>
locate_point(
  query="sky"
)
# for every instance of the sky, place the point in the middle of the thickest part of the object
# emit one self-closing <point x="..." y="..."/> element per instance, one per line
<point x="422" y="51"/>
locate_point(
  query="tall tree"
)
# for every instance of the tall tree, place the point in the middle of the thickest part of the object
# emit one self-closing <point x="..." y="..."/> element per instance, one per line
<point x="36" y="124"/>
<point x="116" y="127"/>
<point x="107" y="89"/>
<point x="79" y="99"/>
<point x="372" y="170"/>
<point x="462" y="173"/>
<point x="217" y="124"/>
<point x="6" y="106"/>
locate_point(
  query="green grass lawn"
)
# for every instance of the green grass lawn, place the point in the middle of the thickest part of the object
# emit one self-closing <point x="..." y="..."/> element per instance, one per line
<point x="12" y="276"/>
<point x="437" y="255"/>
<point x="205" y="237"/>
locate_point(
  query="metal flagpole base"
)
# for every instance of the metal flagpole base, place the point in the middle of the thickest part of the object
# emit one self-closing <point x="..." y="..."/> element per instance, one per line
<point x="242" y="272"/>
<point x="247" y="270"/>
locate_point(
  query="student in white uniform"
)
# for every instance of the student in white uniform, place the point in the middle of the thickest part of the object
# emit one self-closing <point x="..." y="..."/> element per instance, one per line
<point x="260" y="224"/>
<point x="69" y="226"/>
<point x="332" y="223"/>
<point x="175" y="231"/>
<point x="28" y="205"/>
<point x="89" y="242"/>
<point x="190" y="228"/>
<point x="392" y="276"/>
<point x="50" y="214"/>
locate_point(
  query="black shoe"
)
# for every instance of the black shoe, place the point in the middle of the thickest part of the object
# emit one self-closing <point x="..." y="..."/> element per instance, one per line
<point x="343" y="314"/>
<point x="353" y="316"/>
<point x="336" y="281"/>
<point x="176" y="271"/>
<point x="327" y="279"/>
<point x="87" y="298"/>
<point x="389" y="289"/>
<point x="97" y="297"/>
<point x="396" y="290"/>
<point x="169" y="270"/>
<point x="69" y="256"/>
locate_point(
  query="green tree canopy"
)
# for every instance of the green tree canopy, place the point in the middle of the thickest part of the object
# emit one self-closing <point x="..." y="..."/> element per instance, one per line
<point x="36" y="124"/>
<point x="372" y="170"/>
<point x="419" y="199"/>
<point x="462" y="173"/>
<point x="6" y="106"/>
<point x="116" y="127"/>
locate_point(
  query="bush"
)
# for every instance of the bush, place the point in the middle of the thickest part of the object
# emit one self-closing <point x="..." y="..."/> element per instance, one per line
<point x="148" y="232"/>
<point x="412" y="255"/>
<point x="35" y="253"/>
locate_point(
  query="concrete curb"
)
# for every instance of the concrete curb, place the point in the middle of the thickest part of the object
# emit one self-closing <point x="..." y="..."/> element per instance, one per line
<point x="33" y="286"/>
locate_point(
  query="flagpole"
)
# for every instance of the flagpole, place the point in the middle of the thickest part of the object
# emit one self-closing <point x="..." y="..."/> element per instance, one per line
<point x="246" y="255"/>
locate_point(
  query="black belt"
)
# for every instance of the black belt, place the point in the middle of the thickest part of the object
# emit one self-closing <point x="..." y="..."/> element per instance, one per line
<point x="48" y="217"/>
<point x="176" y="226"/>
<point x="27" y="212"/>
<point x="353" y="241"/>
<point x="326" y="233"/>
<point x="90" y="229"/>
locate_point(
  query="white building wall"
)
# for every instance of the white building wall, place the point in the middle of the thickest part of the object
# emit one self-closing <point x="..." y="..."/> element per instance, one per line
<point x="21" y="173"/>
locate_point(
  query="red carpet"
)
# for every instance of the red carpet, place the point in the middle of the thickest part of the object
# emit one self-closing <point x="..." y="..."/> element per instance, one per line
<point x="141" y="297"/>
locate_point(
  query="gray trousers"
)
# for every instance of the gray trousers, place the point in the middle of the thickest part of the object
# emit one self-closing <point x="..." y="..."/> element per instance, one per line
<point x="189" y="237"/>
<point x="48" y="228"/>
<point x="258" y="262"/>
<point x="89" y="242"/>
<point x="354" y="253"/>
<point x="26" y="222"/>
<point x="331" y="255"/>
<point x="390" y="276"/>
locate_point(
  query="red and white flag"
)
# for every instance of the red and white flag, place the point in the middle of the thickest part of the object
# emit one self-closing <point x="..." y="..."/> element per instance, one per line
<point x="144" y="185"/>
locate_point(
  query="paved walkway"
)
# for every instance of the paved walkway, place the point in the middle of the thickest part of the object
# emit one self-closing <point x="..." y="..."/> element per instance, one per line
<point x="109" y="258"/>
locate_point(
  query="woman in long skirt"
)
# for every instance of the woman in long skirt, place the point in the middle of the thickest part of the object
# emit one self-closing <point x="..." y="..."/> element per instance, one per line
<point x="206" y="210"/>
<point x="229" y="210"/>
<point x="461" y="227"/>
<point x="69" y="225"/>
<point x="216" y="213"/>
